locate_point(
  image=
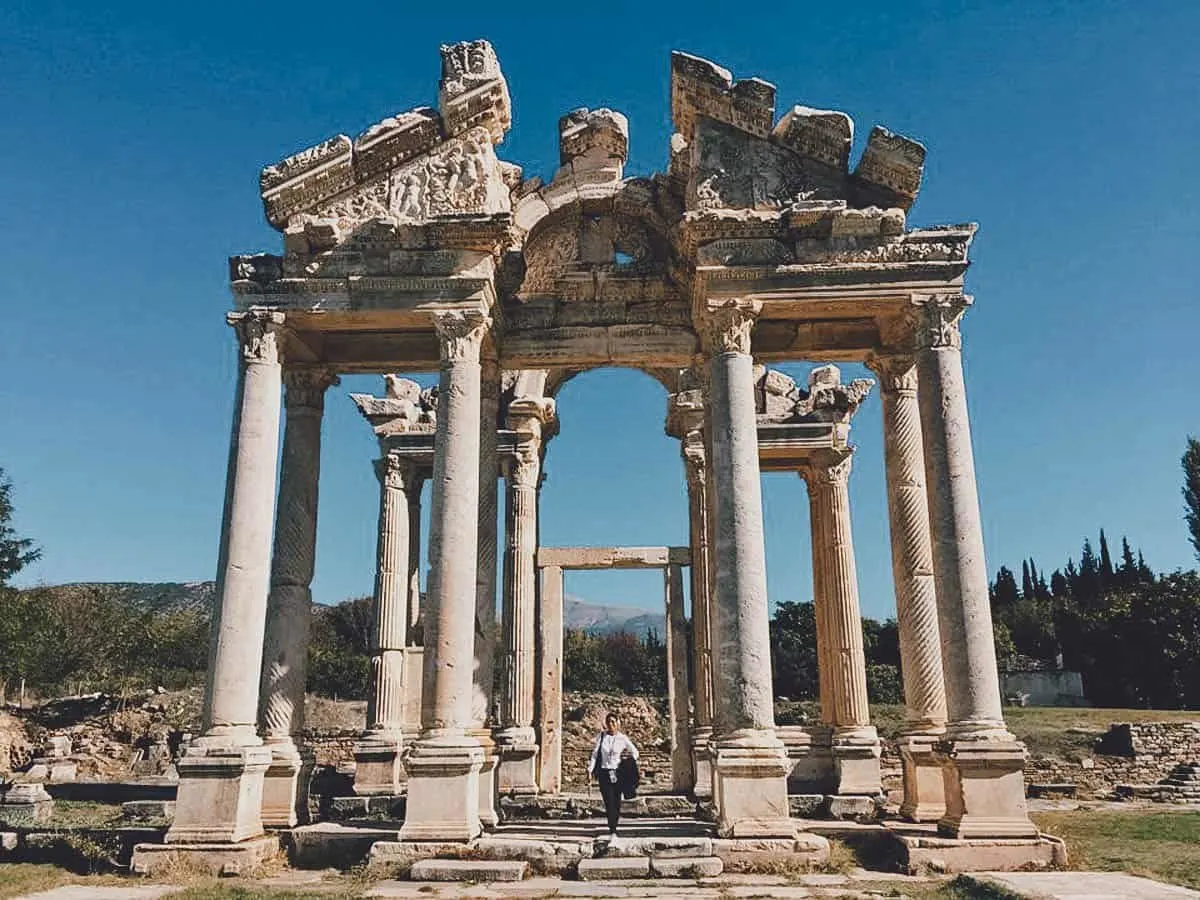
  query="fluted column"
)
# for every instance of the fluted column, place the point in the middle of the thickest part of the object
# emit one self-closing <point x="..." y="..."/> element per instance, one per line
<point x="983" y="762"/>
<point x="516" y="737"/>
<point x="855" y="743"/>
<point x="378" y="768"/>
<point x="678" y="701"/>
<point x="916" y="599"/>
<point x="443" y="788"/>
<point x="695" y="469"/>
<point x="221" y="774"/>
<point x="289" y="604"/>
<point x="751" y="764"/>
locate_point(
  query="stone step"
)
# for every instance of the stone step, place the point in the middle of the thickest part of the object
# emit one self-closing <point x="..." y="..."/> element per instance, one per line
<point x="610" y="868"/>
<point x="478" y="870"/>
<point x="653" y="846"/>
<point x="686" y="866"/>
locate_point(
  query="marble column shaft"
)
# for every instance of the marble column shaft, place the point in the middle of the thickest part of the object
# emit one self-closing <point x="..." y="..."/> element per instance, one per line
<point x="836" y="589"/>
<point x="678" y="701"/>
<point x="960" y="571"/>
<point x="702" y="693"/>
<point x="520" y="594"/>
<point x="414" y="554"/>
<point x="485" y="578"/>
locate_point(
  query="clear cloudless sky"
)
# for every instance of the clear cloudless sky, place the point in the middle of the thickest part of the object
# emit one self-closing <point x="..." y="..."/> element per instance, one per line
<point x="133" y="136"/>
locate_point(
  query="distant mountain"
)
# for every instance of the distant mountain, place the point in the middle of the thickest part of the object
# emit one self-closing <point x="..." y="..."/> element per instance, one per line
<point x="597" y="619"/>
<point x="166" y="596"/>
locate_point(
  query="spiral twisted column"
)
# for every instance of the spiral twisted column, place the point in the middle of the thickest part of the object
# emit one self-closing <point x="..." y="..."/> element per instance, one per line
<point x="916" y="597"/>
<point x="983" y="762"/>
<point x="289" y="604"/>
<point x="855" y="743"/>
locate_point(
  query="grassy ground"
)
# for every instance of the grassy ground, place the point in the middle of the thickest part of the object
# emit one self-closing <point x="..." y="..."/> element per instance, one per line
<point x="1164" y="845"/>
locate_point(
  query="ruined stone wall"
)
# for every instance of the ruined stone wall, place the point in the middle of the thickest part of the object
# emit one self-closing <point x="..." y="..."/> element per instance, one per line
<point x="1126" y="754"/>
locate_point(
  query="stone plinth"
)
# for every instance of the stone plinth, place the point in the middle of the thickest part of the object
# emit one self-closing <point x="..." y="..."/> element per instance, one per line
<point x="220" y="795"/>
<point x="231" y="860"/>
<point x="921" y="853"/>
<point x="285" y="785"/>
<point x="443" y="791"/>
<point x="985" y="789"/>
<point x="25" y="804"/>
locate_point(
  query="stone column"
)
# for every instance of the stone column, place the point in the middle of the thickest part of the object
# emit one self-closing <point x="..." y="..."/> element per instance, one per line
<point x="289" y="605"/>
<point x="702" y="668"/>
<point x="516" y="737"/>
<point x="916" y="600"/>
<point x="221" y="774"/>
<point x="983" y="762"/>
<point x="443" y="769"/>
<point x="549" y="688"/>
<point x="414" y="553"/>
<point x="678" y="700"/>
<point x="855" y="743"/>
<point x="749" y="783"/>
<point x="485" y="582"/>
<point x="378" y="767"/>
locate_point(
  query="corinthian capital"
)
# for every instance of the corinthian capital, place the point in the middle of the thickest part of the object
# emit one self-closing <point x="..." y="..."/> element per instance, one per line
<point x="258" y="332"/>
<point x="306" y="387"/>
<point x="727" y="328"/>
<point x="397" y="473"/>
<point x="523" y="468"/>
<point x="828" y="467"/>
<point x="936" y="321"/>
<point x="694" y="458"/>
<point x="897" y="372"/>
<point x="461" y="335"/>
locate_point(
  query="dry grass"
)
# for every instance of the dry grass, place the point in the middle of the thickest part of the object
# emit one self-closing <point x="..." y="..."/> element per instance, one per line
<point x="17" y="879"/>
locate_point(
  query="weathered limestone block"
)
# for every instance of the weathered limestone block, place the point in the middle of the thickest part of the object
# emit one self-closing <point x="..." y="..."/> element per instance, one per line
<point x="819" y="134"/>
<point x="473" y="91"/>
<point x="26" y="803"/>
<point x="606" y="868"/>
<point x="700" y="88"/>
<point x="891" y="167"/>
<point x="306" y="178"/>
<point x="592" y="139"/>
<point x="475" y="870"/>
<point x="396" y="140"/>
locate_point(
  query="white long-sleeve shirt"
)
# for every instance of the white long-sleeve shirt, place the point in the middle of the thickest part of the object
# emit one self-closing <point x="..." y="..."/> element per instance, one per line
<point x="608" y="750"/>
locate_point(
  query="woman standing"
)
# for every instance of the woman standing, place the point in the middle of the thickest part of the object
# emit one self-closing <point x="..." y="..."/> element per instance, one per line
<point x="611" y="746"/>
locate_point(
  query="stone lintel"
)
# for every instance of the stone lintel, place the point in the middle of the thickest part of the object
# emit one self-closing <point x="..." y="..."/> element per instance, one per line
<point x="617" y="345"/>
<point x="789" y="447"/>
<point x="702" y="88"/>
<point x="613" y="557"/>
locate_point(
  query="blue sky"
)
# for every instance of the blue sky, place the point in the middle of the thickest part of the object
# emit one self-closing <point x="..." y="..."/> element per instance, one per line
<point x="135" y="132"/>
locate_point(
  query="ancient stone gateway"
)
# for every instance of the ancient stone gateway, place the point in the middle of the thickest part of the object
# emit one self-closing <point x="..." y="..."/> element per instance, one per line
<point x="413" y="247"/>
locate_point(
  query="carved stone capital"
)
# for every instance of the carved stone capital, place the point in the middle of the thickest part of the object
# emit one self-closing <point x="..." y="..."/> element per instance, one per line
<point x="727" y="328"/>
<point x="897" y="372"/>
<point x="936" y="321"/>
<point x="397" y="473"/>
<point x="523" y="468"/>
<point x="259" y="333"/>
<point x="694" y="458"/>
<point x="306" y="387"/>
<point x="530" y="415"/>
<point x="828" y="467"/>
<point x="461" y="335"/>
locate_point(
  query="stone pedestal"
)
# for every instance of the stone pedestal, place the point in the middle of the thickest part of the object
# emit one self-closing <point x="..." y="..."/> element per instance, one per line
<point x="924" y="780"/>
<point x="985" y="790"/>
<point x="378" y="765"/>
<point x="749" y="784"/>
<point x="488" y="815"/>
<point x="285" y="785"/>
<point x="855" y="752"/>
<point x="220" y="795"/>
<point x="516" y="769"/>
<point x="443" y="790"/>
<point x="26" y="804"/>
<point x="702" y="762"/>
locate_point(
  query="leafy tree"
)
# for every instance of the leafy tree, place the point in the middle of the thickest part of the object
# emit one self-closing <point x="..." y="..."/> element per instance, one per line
<point x="1004" y="590"/>
<point x="15" y="552"/>
<point x="794" y="651"/>
<point x="1191" y="491"/>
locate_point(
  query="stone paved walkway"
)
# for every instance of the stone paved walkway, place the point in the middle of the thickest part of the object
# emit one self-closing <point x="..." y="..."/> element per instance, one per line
<point x="1082" y="886"/>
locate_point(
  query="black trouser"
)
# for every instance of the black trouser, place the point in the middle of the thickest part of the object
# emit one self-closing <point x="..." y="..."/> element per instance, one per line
<point x="612" y="798"/>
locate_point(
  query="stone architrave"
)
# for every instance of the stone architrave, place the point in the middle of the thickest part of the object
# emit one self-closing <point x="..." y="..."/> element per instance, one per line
<point x="983" y="762"/>
<point x="702" y="663"/>
<point x="482" y="700"/>
<point x="221" y="774"/>
<point x="916" y="599"/>
<point x="377" y="755"/>
<point x="443" y="768"/>
<point x="855" y="743"/>
<point x="516" y="738"/>
<point x="750" y="766"/>
<point x="682" y="776"/>
<point x="289" y="605"/>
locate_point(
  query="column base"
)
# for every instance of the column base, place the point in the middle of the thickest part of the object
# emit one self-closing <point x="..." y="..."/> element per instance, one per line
<point x="516" y="770"/>
<point x="234" y="860"/>
<point x="378" y="764"/>
<point x="920" y="854"/>
<point x="811" y="769"/>
<point x="750" y="786"/>
<point x="220" y="797"/>
<point x="285" y="785"/>
<point x="855" y="752"/>
<point x="924" y="780"/>
<point x="984" y="789"/>
<point x="488" y="817"/>
<point x="702" y="763"/>
<point x="443" y="790"/>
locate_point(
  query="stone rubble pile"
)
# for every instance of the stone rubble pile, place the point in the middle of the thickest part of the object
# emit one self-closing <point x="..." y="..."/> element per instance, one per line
<point x="644" y="719"/>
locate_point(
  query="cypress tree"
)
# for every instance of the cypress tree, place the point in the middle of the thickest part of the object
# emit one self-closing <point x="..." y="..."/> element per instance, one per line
<point x="1106" y="566"/>
<point x="1191" y="492"/>
<point x="1026" y="581"/>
